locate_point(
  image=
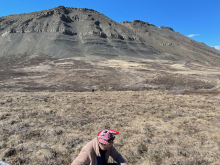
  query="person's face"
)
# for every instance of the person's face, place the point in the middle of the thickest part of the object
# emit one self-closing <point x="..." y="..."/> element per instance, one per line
<point x="105" y="147"/>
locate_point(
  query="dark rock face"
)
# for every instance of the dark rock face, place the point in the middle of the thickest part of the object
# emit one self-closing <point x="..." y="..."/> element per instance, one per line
<point x="70" y="32"/>
<point x="167" y="41"/>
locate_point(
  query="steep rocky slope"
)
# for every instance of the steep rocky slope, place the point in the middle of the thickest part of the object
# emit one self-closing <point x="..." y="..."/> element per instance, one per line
<point x="70" y="32"/>
<point x="166" y="40"/>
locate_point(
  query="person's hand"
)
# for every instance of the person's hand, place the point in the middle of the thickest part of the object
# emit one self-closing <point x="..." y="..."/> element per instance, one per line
<point x="124" y="164"/>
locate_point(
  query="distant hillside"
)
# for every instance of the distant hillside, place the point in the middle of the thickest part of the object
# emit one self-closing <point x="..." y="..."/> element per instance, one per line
<point x="70" y="32"/>
<point x="166" y="40"/>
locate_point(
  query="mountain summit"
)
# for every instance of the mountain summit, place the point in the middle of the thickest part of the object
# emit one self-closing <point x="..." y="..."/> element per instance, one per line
<point x="65" y="32"/>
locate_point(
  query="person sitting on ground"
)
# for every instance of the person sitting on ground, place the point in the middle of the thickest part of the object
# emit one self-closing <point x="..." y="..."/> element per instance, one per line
<point x="97" y="151"/>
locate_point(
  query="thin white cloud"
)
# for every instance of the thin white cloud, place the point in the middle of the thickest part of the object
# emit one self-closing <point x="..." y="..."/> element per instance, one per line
<point x="217" y="47"/>
<point x="193" y="35"/>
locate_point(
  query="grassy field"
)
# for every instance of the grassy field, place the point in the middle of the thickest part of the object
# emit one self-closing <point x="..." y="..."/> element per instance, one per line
<point x="156" y="128"/>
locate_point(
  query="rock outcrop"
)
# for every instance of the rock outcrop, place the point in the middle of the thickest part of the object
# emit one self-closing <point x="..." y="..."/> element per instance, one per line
<point x="166" y="40"/>
<point x="71" y="32"/>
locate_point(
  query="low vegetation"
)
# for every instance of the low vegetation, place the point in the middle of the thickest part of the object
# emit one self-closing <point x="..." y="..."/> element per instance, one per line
<point x="156" y="128"/>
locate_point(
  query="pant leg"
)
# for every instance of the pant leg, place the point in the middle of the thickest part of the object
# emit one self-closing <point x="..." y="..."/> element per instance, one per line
<point x="113" y="164"/>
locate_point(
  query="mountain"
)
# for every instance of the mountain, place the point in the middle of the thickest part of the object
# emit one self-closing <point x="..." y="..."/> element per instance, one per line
<point x="166" y="40"/>
<point x="70" y="32"/>
<point x="71" y="49"/>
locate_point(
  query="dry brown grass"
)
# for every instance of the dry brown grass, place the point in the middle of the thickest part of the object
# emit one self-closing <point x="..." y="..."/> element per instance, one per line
<point x="74" y="75"/>
<point x="156" y="127"/>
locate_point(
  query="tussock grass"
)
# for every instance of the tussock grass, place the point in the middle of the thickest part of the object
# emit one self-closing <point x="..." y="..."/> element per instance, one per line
<point x="179" y="81"/>
<point x="155" y="127"/>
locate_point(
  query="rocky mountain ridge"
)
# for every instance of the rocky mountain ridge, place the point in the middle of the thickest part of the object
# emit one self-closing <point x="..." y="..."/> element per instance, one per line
<point x="65" y="32"/>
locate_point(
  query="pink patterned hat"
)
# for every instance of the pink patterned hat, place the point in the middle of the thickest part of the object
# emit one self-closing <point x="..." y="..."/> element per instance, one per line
<point x="107" y="136"/>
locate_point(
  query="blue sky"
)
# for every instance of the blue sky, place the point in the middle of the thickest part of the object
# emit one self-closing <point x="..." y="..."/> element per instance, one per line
<point x="197" y="19"/>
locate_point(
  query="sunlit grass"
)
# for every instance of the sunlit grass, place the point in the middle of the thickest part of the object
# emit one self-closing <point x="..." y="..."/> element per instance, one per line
<point x="155" y="127"/>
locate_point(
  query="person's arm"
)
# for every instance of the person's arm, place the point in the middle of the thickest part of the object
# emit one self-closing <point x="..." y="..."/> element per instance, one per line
<point x="117" y="156"/>
<point x="82" y="158"/>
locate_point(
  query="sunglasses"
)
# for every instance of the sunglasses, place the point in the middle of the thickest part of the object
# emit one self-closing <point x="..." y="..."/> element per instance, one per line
<point x="109" y="141"/>
<point x="104" y="145"/>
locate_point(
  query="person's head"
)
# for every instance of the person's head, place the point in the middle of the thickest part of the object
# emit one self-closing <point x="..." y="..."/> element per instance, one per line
<point x="106" y="138"/>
